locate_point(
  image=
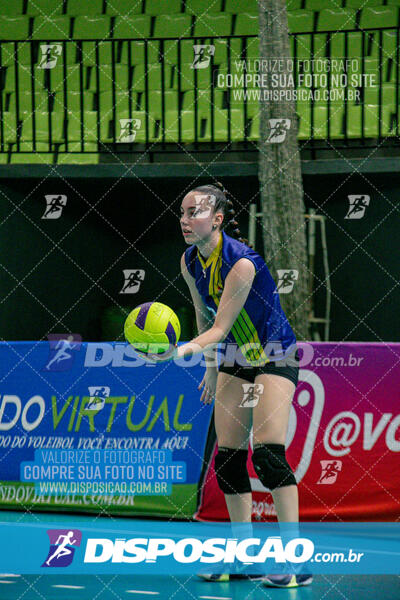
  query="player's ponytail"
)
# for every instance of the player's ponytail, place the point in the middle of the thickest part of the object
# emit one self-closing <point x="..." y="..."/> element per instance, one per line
<point x="225" y="205"/>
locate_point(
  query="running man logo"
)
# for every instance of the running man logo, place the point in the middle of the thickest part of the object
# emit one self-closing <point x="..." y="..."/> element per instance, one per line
<point x="202" y="56"/>
<point x="63" y="543"/>
<point x="357" y="206"/>
<point x="54" y="206"/>
<point x="133" y="279"/>
<point x="129" y="128"/>
<point x="98" y="395"/>
<point x="287" y="277"/>
<point x="204" y="203"/>
<point x="330" y="470"/>
<point x="61" y="348"/>
<point x="50" y="54"/>
<point x="278" y="130"/>
<point x="251" y="394"/>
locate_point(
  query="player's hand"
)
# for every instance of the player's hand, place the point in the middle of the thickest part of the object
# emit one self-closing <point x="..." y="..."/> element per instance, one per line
<point x="209" y="384"/>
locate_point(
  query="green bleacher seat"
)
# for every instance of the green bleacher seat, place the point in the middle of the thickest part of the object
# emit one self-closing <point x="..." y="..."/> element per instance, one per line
<point x="371" y="121"/>
<point x="335" y="118"/>
<point x="106" y="103"/>
<point x="121" y="78"/>
<point x="107" y="127"/>
<point x="172" y="26"/>
<point x="238" y="7"/>
<point x="301" y="46"/>
<point x="189" y="76"/>
<point x="89" y="53"/>
<point x="120" y="8"/>
<point x="92" y="28"/>
<point x="338" y="44"/>
<point x="221" y="46"/>
<point x="319" y="4"/>
<point x="160" y="7"/>
<point x="8" y="53"/>
<point x="303" y="110"/>
<point x="246" y="25"/>
<point x="385" y="39"/>
<point x="359" y="5"/>
<point x="51" y="28"/>
<point x="201" y="7"/>
<point x="293" y="4"/>
<point x="171" y="102"/>
<point x="11" y="8"/>
<point x="72" y="102"/>
<point x="212" y="25"/>
<point x="42" y="120"/>
<point x="204" y="129"/>
<point x="24" y="78"/>
<point x="153" y="75"/>
<point x="332" y="19"/>
<point x="89" y="124"/>
<point x="300" y="21"/>
<point x="53" y="79"/>
<point x="132" y="27"/>
<point x="26" y="100"/>
<point x="135" y="51"/>
<point x="371" y="95"/>
<point x="10" y="129"/>
<point x="44" y="7"/>
<point x="252" y="48"/>
<point x="393" y="2"/>
<point x="204" y="100"/>
<point x="77" y="7"/>
<point x="379" y="16"/>
<point x="14" y="28"/>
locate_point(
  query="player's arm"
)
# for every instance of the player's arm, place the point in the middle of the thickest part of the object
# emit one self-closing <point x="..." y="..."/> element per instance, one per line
<point x="203" y="320"/>
<point x="236" y="289"/>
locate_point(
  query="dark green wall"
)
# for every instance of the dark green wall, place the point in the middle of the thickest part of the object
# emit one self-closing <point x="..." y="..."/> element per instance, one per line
<point x="70" y="269"/>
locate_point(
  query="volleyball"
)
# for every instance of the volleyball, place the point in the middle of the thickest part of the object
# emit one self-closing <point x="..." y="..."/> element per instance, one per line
<point x="153" y="328"/>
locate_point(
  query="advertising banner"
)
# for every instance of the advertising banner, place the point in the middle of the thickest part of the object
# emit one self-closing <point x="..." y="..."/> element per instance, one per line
<point x="343" y="438"/>
<point x="90" y="427"/>
<point x="90" y="546"/>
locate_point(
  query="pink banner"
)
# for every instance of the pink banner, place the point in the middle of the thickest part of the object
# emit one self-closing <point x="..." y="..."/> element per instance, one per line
<point x="343" y="439"/>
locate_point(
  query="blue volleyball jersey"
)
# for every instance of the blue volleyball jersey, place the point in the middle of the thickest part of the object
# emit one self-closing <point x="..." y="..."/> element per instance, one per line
<point x="261" y="329"/>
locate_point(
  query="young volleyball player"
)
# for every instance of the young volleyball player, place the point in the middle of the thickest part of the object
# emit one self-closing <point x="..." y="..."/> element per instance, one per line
<point x="231" y="282"/>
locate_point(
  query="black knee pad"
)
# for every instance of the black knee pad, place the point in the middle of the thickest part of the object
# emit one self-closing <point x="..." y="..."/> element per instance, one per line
<point x="271" y="466"/>
<point x="231" y="471"/>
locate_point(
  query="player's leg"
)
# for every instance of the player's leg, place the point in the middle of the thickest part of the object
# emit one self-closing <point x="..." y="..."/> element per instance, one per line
<point x="270" y="424"/>
<point x="232" y="426"/>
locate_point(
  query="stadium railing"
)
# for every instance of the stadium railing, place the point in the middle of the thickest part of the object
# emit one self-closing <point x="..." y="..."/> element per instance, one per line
<point x="125" y="95"/>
